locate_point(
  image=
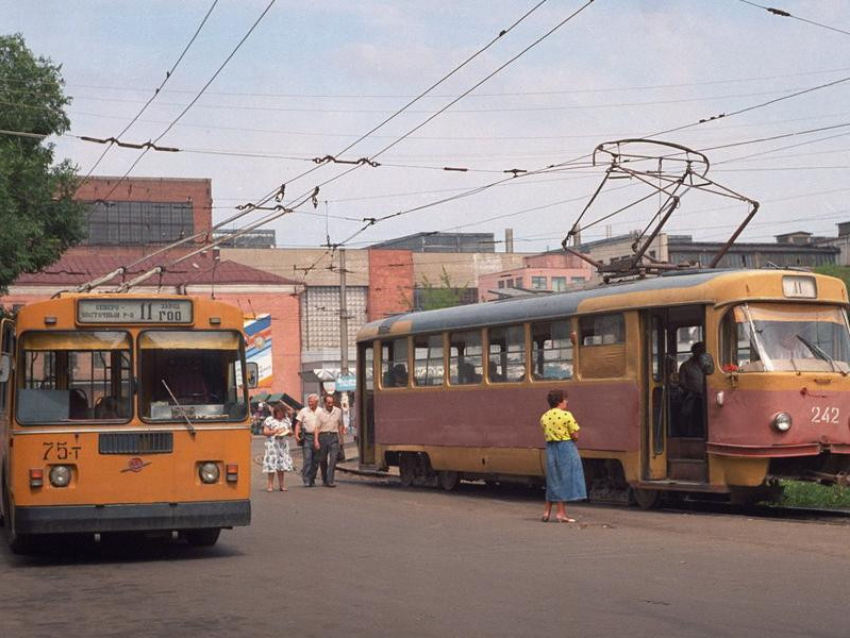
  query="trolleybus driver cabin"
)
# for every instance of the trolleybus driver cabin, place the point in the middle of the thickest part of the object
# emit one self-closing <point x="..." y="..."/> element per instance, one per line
<point x="124" y="413"/>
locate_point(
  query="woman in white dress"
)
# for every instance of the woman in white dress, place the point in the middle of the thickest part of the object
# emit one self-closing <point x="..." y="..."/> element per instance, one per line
<point x="277" y="428"/>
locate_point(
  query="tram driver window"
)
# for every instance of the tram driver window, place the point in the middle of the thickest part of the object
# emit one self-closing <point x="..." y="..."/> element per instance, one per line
<point x="466" y="358"/>
<point x="507" y="354"/>
<point x="394" y="363"/>
<point x="551" y="351"/>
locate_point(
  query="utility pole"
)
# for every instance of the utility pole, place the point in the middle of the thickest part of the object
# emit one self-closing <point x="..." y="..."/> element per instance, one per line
<point x="343" y="315"/>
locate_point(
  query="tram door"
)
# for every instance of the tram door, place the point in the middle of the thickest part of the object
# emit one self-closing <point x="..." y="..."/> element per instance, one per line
<point x="366" y="403"/>
<point x="674" y="440"/>
<point x="653" y="441"/>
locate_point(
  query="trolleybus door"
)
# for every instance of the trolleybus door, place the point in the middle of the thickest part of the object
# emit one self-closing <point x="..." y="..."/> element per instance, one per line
<point x="653" y="437"/>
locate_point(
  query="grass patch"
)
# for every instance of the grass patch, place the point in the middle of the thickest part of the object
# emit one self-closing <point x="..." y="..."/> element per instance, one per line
<point x="804" y="494"/>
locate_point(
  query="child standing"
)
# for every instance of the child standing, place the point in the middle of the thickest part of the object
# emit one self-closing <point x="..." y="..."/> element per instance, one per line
<point x="277" y="460"/>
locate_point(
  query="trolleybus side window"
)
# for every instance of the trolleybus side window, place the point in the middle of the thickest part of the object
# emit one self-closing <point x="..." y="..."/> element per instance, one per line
<point x="394" y="363"/>
<point x="551" y="350"/>
<point x="428" y="368"/>
<point x="507" y="352"/>
<point x="191" y="373"/>
<point x="74" y="376"/>
<point x="7" y="340"/>
<point x="466" y="358"/>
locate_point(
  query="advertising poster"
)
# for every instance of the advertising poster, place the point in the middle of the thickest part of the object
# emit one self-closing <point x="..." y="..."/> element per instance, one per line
<point x="258" y="346"/>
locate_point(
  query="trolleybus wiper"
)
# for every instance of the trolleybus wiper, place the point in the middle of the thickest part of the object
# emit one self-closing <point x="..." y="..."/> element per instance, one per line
<point x="189" y="425"/>
<point x="820" y="353"/>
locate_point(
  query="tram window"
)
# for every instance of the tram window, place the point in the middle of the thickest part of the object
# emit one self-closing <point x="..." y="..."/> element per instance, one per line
<point x="551" y="350"/>
<point x="428" y="369"/>
<point x="602" y="330"/>
<point x="369" y="367"/>
<point x="191" y="372"/>
<point x="80" y="376"/>
<point x="394" y="363"/>
<point x="466" y="358"/>
<point x="507" y="354"/>
<point x="686" y="337"/>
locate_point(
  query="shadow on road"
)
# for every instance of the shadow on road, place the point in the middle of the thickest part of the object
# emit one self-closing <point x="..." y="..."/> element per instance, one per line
<point x="113" y="548"/>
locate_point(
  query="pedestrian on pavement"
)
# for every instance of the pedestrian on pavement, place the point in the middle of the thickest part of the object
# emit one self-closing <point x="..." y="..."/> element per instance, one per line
<point x="564" y="473"/>
<point x="327" y="441"/>
<point x="305" y="427"/>
<point x="277" y="460"/>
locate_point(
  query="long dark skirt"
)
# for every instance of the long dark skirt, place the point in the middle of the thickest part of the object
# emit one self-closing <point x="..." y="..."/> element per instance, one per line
<point x="564" y="474"/>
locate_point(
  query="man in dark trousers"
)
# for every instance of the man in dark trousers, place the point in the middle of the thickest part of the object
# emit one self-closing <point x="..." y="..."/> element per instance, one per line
<point x="327" y="440"/>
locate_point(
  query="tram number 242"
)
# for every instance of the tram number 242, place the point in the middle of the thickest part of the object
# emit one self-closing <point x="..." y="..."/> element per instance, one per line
<point x="825" y="415"/>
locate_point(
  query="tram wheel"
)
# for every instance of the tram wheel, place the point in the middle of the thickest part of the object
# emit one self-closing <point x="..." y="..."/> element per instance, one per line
<point x="206" y="537"/>
<point x="448" y="479"/>
<point x="407" y="468"/>
<point x="646" y="499"/>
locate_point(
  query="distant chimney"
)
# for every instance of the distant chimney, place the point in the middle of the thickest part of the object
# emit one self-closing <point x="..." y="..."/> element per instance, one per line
<point x="509" y="240"/>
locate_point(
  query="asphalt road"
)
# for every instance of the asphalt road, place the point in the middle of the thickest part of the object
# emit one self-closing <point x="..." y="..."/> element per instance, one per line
<point x="371" y="558"/>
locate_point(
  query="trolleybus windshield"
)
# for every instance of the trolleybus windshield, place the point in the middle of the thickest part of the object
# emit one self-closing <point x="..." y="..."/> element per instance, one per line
<point x="196" y="373"/>
<point x="74" y="376"/>
<point x="786" y="337"/>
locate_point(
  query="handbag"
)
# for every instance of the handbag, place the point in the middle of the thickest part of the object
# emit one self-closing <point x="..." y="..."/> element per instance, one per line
<point x="340" y="456"/>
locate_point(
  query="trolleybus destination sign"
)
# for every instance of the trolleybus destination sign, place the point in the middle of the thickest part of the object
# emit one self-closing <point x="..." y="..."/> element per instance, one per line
<point x="134" y="311"/>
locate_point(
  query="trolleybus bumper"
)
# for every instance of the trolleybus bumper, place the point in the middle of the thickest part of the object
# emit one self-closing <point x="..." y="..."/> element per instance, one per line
<point x="63" y="519"/>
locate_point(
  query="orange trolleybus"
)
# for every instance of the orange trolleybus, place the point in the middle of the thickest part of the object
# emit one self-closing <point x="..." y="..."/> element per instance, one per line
<point x="455" y="394"/>
<point x="124" y="413"/>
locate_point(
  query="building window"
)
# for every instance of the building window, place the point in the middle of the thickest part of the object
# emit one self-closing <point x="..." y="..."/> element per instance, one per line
<point x="507" y="354"/>
<point x="510" y="283"/>
<point x="501" y="283"/>
<point x="602" y="330"/>
<point x="538" y="283"/>
<point x="559" y="284"/>
<point x="428" y="360"/>
<point x="518" y="282"/>
<point x="551" y="351"/>
<point x="465" y="358"/>
<point x="394" y="363"/>
<point x="578" y="280"/>
<point x="138" y="223"/>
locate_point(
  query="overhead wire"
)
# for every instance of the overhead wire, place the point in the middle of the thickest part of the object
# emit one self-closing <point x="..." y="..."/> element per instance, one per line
<point x="785" y="14"/>
<point x="156" y="92"/>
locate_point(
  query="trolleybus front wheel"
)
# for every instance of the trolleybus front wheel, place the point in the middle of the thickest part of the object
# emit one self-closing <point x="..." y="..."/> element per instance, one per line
<point x="206" y="537"/>
<point x="18" y="543"/>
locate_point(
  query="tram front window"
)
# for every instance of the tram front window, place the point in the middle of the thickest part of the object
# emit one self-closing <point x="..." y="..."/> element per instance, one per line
<point x="195" y="373"/>
<point x="786" y="337"/>
<point x="74" y="376"/>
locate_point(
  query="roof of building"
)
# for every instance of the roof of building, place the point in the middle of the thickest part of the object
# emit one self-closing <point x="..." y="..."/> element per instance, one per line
<point x="197" y="270"/>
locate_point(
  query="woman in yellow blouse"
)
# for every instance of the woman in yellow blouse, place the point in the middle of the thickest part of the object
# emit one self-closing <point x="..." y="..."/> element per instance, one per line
<point x="564" y="473"/>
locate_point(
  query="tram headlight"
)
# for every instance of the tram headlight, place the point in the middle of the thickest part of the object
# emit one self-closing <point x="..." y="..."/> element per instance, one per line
<point x="60" y="475"/>
<point x="782" y="422"/>
<point x="209" y="472"/>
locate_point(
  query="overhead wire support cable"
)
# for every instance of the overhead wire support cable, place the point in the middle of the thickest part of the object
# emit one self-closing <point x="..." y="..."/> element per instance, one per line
<point x="156" y="92"/>
<point x="197" y="97"/>
<point x="785" y="14"/>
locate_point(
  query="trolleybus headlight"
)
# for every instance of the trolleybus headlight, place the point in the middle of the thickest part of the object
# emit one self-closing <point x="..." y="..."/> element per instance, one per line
<point x="60" y="475"/>
<point x="209" y="472"/>
<point x="782" y="422"/>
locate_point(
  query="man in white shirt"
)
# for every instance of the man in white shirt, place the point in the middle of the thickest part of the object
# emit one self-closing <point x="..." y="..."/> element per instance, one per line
<point x="327" y="439"/>
<point x="305" y="428"/>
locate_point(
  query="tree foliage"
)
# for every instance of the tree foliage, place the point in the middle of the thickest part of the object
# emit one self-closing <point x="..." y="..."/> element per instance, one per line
<point x="443" y="294"/>
<point x="38" y="218"/>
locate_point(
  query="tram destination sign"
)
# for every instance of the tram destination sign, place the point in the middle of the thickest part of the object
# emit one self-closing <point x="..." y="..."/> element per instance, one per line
<point x="134" y="311"/>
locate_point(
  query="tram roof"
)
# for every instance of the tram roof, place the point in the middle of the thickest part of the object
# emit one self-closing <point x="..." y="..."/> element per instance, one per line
<point x="695" y="286"/>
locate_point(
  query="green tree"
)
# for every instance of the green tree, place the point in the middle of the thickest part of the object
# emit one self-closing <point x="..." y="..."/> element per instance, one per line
<point x="39" y="219"/>
<point x="834" y="270"/>
<point x="443" y="294"/>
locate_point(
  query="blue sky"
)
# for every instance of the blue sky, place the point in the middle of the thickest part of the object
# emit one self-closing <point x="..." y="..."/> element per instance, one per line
<point x="316" y="75"/>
